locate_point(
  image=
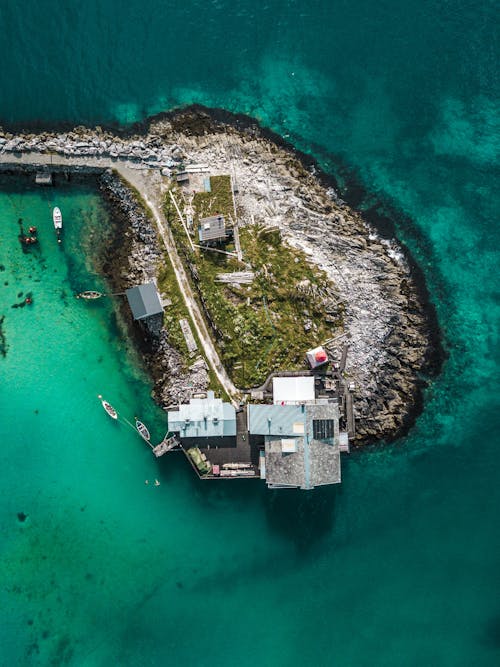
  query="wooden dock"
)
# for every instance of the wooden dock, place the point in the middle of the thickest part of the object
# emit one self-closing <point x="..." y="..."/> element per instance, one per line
<point x="239" y="460"/>
<point x="166" y="445"/>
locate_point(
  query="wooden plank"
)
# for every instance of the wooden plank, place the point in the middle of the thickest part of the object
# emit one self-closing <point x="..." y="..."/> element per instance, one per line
<point x="188" y="335"/>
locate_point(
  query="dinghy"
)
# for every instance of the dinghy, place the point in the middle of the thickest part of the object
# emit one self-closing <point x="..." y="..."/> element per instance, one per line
<point x="89" y="294"/>
<point x="109" y="408"/>
<point x="143" y="431"/>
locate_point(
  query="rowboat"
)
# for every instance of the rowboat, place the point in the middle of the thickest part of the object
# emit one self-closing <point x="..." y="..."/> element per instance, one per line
<point x="89" y="294"/>
<point x="143" y="431"/>
<point x="109" y="408"/>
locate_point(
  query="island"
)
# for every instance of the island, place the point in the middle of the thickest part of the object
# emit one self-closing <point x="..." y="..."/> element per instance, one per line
<point x="279" y="325"/>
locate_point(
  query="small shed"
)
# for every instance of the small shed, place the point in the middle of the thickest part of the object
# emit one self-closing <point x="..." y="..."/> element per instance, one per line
<point x="317" y="357"/>
<point x="144" y="301"/>
<point x="212" y="229"/>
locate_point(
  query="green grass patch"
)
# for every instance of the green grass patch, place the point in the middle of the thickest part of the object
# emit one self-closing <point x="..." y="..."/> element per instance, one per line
<point x="259" y="328"/>
<point x="167" y="284"/>
<point x="218" y="201"/>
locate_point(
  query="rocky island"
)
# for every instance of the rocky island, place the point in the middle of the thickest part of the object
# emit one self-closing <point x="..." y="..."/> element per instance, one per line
<point x="352" y="291"/>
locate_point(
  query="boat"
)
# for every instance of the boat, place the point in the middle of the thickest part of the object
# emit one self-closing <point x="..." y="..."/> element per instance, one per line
<point x="108" y="407"/>
<point x="57" y="218"/>
<point x="89" y="294"/>
<point x="58" y="223"/>
<point x="143" y="431"/>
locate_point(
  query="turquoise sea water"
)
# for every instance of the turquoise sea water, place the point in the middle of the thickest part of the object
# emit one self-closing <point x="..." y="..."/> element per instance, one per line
<point x="398" y="566"/>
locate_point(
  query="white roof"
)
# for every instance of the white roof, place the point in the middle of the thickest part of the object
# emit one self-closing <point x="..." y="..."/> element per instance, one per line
<point x="293" y="390"/>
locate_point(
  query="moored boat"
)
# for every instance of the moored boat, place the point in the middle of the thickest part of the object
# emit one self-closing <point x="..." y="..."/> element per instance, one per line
<point x="142" y="429"/>
<point x="109" y="408"/>
<point x="57" y="217"/>
<point x="58" y="222"/>
<point x="89" y="294"/>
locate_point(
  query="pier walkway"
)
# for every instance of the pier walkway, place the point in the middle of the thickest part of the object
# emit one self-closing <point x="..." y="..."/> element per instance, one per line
<point x="150" y="185"/>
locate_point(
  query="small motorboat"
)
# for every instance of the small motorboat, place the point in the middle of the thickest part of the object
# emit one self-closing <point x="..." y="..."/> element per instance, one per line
<point x="58" y="222"/>
<point x="89" y="294"/>
<point x="143" y="431"/>
<point x="57" y="217"/>
<point x="108" y="407"/>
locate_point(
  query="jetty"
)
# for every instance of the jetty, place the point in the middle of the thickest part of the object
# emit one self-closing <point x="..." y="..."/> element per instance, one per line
<point x="168" y="444"/>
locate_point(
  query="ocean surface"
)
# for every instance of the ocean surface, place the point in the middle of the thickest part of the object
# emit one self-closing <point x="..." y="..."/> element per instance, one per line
<point x="400" y="565"/>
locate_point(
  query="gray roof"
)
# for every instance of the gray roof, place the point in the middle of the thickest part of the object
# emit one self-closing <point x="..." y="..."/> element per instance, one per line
<point x="144" y="301"/>
<point x="280" y="420"/>
<point x="212" y="228"/>
<point x="314" y="462"/>
<point x="203" y="418"/>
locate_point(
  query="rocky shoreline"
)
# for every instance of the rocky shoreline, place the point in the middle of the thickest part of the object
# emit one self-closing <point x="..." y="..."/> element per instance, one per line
<point x="131" y="261"/>
<point x="391" y="328"/>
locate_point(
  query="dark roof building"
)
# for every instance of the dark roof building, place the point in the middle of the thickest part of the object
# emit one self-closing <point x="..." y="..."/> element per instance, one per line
<point x="212" y="229"/>
<point x="144" y="301"/>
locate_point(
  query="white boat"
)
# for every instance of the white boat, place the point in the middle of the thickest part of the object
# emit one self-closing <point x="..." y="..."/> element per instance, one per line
<point x="109" y="408"/>
<point x="57" y="218"/>
<point x="89" y="294"/>
<point x="143" y="431"/>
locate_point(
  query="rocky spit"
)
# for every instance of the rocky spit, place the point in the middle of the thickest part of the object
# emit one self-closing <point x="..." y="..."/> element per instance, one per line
<point x="390" y="327"/>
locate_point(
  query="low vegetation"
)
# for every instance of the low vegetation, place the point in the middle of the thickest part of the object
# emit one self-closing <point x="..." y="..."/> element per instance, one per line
<point x="167" y="284"/>
<point x="271" y="323"/>
<point x="218" y="201"/>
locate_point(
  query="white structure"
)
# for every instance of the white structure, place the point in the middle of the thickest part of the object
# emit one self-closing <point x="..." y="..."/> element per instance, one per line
<point x="293" y="390"/>
<point x="317" y="357"/>
<point x="203" y="418"/>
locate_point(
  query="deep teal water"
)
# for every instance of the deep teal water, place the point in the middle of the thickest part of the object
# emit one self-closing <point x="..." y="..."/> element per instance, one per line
<point x="398" y="566"/>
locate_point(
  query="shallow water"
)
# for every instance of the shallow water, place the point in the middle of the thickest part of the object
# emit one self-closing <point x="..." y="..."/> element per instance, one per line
<point x="397" y="566"/>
